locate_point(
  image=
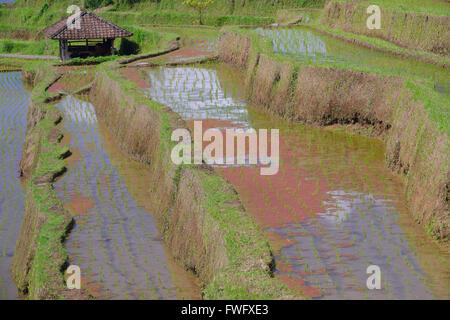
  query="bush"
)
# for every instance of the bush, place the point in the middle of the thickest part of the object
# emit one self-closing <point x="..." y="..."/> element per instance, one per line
<point x="128" y="47"/>
<point x="94" y="4"/>
<point x="7" y="46"/>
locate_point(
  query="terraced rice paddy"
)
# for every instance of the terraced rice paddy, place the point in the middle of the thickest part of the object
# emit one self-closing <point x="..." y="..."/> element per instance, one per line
<point x="14" y="100"/>
<point x="311" y="46"/>
<point x="196" y="93"/>
<point x="332" y="210"/>
<point x="73" y="79"/>
<point x="115" y="241"/>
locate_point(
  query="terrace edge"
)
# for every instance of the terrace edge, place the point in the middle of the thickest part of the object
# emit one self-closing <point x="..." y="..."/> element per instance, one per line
<point x="199" y="214"/>
<point x="40" y="257"/>
<point x="417" y="147"/>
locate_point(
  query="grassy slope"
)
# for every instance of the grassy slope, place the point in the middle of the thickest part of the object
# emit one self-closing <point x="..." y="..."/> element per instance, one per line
<point x="436" y="104"/>
<point x="433" y="7"/>
<point x="383" y="45"/>
<point x="219" y="7"/>
<point x="404" y="23"/>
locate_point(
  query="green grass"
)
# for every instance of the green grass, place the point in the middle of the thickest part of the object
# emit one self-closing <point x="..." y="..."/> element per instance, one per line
<point x="29" y="47"/>
<point x="383" y="45"/>
<point x="147" y="40"/>
<point x="435" y="104"/>
<point x="433" y="7"/>
<point x="221" y="7"/>
<point x="244" y="243"/>
<point x="180" y="18"/>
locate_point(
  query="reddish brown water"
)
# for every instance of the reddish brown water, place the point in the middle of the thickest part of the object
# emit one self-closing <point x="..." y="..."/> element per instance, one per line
<point x="331" y="211"/>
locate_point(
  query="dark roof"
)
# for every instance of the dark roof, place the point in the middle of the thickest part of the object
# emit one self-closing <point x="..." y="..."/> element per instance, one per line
<point x="92" y="27"/>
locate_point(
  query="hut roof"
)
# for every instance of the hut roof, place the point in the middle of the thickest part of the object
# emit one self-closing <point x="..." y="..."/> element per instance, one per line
<point x="91" y="27"/>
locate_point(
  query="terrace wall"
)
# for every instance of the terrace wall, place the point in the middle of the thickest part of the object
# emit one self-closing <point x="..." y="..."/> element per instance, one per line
<point x="407" y="29"/>
<point x="199" y="214"/>
<point x="416" y="146"/>
<point x="40" y="257"/>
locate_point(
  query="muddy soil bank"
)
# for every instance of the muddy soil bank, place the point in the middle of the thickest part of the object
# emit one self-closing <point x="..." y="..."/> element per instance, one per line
<point x="200" y="215"/>
<point x="40" y="256"/>
<point x="415" y="147"/>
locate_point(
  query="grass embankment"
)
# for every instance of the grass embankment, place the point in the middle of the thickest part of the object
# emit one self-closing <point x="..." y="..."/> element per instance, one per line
<point x="258" y="8"/>
<point x="199" y="214"/>
<point x="40" y="256"/>
<point x="179" y="18"/>
<point x="411" y="115"/>
<point x="29" y="47"/>
<point x="382" y="45"/>
<point x="433" y="7"/>
<point x="22" y="35"/>
<point x="405" y="23"/>
<point x="22" y="21"/>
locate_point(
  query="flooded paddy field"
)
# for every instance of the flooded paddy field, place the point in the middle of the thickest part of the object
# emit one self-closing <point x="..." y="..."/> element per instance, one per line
<point x="115" y="240"/>
<point x="14" y="100"/>
<point x="309" y="45"/>
<point x="331" y="211"/>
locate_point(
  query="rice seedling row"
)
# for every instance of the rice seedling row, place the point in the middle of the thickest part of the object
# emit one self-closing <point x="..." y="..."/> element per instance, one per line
<point x="115" y="241"/>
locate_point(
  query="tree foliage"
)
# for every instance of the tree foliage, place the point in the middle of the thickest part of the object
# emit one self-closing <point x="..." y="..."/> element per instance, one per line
<point x="198" y="5"/>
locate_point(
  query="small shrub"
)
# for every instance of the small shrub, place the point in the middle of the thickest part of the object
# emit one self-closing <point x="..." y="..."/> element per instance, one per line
<point x="94" y="4"/>
<point x="128" y="47"/>
<point x="7" y="46"/>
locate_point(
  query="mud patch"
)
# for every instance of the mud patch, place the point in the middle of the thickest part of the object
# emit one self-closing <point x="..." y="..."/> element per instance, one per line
<point x="79" y="205"/>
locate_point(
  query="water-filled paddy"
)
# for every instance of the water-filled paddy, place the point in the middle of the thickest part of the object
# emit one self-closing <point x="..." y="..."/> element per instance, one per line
<point x="14" y="100"/>
<point x="196" y="93"/>
<point x="333" y="207"/>
<point x="308" y="45"/>
<point x="115" y="241"/>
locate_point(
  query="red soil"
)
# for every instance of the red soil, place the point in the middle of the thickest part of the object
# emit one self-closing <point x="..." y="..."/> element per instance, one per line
<point x="56" y="87"/>
<point x="297" y="285"/>
<point x="274" y="201"/>
<point x="74" y="157"/>
<point x="188" y="52"/>
<point x="133" y="74"/>
<point x="65" y="83"/>
<point x="79" y="205"/>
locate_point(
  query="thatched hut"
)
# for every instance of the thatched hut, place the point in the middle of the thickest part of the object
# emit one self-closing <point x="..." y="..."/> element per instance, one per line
<point x="86" y="35"/>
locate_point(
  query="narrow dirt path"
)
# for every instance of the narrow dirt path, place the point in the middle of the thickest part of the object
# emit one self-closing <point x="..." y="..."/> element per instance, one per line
<point x="28" y="56"/>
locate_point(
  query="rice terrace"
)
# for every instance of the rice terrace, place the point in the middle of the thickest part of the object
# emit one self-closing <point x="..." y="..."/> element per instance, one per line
<point x="225" y="150"/>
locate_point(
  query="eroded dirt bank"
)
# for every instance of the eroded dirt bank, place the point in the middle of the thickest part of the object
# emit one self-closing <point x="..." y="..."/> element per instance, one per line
<point x="415" y="147"/>
<point x="199" y="213"/>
